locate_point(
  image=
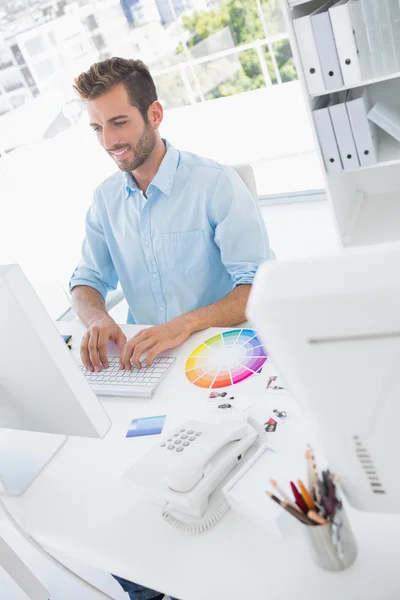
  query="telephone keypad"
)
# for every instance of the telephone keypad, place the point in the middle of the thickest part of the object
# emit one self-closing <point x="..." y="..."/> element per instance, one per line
<point x="180" y="441"/>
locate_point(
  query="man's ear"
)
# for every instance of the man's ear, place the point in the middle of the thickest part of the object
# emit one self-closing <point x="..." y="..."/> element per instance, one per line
<point x="155" y="114"/>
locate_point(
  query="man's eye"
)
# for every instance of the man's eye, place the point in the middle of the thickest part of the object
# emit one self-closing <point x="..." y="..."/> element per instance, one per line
<point x="96" y="129"/>
<point x="119" y="123"/>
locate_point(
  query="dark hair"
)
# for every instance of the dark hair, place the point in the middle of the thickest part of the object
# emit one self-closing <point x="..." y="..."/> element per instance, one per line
<point x="104" y="75"/>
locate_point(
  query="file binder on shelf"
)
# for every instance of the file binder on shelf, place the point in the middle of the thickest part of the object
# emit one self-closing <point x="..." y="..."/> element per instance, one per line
<point x="386" y="35"/>
<point x="364" y="131"/>
<point x="326" y="136"/>
<point x="387" y="118"/>
<point x="395" y="21"/>
<point x="326" y="47"/>
<point x="343" y="132"/>
<point x="362" y="41"/>
<point x="370" y="17"/>
<point x="345" y="42"/>
<point x="309" y="55"/>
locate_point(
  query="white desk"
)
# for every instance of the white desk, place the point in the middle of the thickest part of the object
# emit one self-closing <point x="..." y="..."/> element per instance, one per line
<point x="80" y="506"/>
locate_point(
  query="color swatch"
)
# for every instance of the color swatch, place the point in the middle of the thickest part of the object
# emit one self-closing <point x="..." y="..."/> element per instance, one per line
<point x="226" y="359"/>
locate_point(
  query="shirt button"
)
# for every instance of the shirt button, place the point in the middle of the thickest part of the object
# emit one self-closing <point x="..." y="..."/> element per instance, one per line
<point x="161" y="308"/>
<point x="154" y="275"/>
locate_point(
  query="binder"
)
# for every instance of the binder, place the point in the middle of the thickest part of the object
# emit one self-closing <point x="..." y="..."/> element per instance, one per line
<point x="371" y="25"/>
<point x="362" y="41"/>
<point x="395" y="21"/>
<point x="386" y="34"/>
<point x="309" y="55"/>
<point x="326" y="136"/>
<point x="345" y="42"/>
<point x="326" y="47"/>
<point x="364" y="131"/>
<point x="343" y="132"/>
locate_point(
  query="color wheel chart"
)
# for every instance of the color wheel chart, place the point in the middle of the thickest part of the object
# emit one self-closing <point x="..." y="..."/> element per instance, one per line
<point x="226" y="359"/>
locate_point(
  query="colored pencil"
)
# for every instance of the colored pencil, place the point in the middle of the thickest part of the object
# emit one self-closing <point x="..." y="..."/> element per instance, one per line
<point x="299" y="498"/>
<point x="306" y="495"/>
<point x="280" y="491"/>
<point x="290" y="509"/>
<point x="314" y="516"/>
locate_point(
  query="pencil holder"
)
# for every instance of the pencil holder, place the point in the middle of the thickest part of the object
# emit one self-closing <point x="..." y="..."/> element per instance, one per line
<point x="333" y="546"/>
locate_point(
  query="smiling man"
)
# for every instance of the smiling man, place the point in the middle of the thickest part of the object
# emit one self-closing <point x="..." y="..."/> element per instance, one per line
<point x="182" y="234"/>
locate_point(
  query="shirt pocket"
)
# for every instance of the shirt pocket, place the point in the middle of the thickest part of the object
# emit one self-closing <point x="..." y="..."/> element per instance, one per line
<point x="184" y="252"/>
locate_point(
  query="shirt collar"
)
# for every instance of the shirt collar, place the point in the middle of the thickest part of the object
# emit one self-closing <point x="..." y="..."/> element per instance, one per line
<point x="165" y="176"/>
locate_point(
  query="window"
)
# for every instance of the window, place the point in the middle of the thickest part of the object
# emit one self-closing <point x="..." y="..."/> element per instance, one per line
<point x="34" y="46"/>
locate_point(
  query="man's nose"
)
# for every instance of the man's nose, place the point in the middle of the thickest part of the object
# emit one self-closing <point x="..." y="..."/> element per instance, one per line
<point x="110" y="139"/>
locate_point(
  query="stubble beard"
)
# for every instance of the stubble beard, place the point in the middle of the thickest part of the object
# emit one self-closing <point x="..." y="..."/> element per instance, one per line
<point x="141" y="151"/>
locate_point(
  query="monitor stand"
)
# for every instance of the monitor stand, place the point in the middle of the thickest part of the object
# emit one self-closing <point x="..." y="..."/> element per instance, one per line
<point x="23" y="456"/>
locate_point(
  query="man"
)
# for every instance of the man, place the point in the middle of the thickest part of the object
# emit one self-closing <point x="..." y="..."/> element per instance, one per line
<point x="181" y="233"/>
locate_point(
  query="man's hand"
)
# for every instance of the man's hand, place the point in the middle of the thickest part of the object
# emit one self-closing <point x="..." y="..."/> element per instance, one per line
<point x="155" y="340"/>
<point x="94" y="342"/>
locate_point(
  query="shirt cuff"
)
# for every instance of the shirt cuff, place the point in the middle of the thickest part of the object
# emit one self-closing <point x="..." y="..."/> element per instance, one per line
<point x="102" y="289"/>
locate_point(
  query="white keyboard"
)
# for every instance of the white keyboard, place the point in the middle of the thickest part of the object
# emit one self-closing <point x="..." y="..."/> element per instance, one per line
<point x="137" y="382"/>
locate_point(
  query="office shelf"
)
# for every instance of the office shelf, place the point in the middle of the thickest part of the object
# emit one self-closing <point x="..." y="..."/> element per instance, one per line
<point x="365" y="201"/>
<point x="372" y="81"/>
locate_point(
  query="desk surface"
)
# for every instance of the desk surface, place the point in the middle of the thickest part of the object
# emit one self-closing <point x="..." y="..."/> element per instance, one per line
<point x="80" y="506"/>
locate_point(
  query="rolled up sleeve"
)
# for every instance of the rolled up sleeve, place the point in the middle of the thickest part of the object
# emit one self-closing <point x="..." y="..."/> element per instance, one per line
<point x="96" y="268"/>
<point x="240" y="232"/>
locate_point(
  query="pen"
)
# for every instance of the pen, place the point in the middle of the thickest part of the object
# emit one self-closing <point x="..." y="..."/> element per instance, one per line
<point x="298" y="498"/>
<point x="306" y="495"/>
<point x="280" y="491"/>
<point x="290" y="509"/>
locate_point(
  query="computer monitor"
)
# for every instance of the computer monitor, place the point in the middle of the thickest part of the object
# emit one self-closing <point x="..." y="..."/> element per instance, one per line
<point x="42" y="390"/>
<point x="332" y="328"/>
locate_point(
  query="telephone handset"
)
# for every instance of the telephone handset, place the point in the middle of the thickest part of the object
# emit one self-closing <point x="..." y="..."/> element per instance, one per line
<point x="196" y="463"/>
<point x="184" y="467"/>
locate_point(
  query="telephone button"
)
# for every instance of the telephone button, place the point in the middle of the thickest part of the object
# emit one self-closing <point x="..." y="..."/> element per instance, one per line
<point x="171" y="447"/>
<point x="163" y="445"/>
<point x="184" y="436"/>
<point x="198" y="433"/>
<point x="183" y="430"/>
<point x="190" y="431"/>
<point x="192" y="438"/>
<point x="186" y="444"/>
<point x="177" y="441"/>
<point x="179" y="449"/>
<point x="176" y="434"/>
<point x="169" y="440"/>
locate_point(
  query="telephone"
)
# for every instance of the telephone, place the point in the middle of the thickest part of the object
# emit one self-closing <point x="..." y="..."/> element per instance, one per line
<point x="184" y="467"/>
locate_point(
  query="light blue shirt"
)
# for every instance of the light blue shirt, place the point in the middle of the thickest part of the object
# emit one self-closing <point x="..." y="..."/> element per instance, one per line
<point x="197" y="235"/>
